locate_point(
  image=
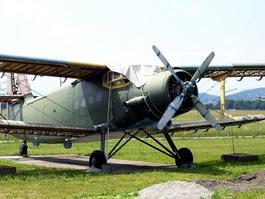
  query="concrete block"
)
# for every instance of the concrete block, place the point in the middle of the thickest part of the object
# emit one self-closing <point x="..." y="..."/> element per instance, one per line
<point x="7" y="170"/>
<point x="239" y="157"/>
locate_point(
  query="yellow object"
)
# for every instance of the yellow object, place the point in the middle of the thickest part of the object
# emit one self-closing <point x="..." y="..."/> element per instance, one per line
<point x="114" y="80"/>
<point x="222" y="96"/>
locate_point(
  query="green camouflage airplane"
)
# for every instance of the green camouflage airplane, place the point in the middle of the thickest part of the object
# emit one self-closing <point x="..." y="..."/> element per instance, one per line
<point x="106" y="102"/>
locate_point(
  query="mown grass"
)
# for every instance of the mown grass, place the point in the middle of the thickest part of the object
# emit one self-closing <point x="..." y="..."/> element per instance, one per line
<point x="254" y="129"/>
<point x="38" y="182"/>
<point x="224" y="193"/>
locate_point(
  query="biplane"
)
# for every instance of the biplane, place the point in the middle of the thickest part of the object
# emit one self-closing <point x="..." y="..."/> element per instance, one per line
<point x="109" y="101"/>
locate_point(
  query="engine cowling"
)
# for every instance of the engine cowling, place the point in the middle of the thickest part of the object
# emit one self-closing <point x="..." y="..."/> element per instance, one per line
<point x="159" y="91"/>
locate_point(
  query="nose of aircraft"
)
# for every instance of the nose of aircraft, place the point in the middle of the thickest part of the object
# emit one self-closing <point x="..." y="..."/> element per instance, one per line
<point x="187" y="90"/>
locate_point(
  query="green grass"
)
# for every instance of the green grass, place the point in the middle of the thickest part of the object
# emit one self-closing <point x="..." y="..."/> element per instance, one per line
<point x="223" y="193"/>
<point x="39" y="182"/>
<point x="254" y="129"/>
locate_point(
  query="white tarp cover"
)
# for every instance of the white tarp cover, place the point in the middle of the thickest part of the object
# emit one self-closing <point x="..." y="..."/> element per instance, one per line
<point x="137" y="74"/>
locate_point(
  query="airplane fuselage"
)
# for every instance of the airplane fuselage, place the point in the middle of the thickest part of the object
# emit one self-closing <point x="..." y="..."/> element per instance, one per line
<point x="94" y="102"/>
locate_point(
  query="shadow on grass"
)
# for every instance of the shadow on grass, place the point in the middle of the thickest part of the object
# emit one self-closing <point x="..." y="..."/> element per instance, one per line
<point x="222" y="163"/>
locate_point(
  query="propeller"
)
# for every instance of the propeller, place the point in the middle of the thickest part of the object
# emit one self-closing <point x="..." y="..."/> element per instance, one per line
<point x="166" y="63"/>
<point x="205" y="113"/>
<point x="187" y="91"/>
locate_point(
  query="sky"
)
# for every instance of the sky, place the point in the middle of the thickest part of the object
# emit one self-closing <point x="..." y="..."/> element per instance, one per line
<point x="123" y="32"/>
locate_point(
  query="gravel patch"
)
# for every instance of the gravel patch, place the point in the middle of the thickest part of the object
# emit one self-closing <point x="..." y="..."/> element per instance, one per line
<point x="203" y="189"/>
<point x="175" y="189"/>
<point x="243" y="183"/>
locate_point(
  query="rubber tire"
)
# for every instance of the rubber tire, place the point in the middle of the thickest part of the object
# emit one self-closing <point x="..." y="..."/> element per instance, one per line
<point x="97" y="159"/>
<point x="23" y="150"/>
<point x="186" y="156"/>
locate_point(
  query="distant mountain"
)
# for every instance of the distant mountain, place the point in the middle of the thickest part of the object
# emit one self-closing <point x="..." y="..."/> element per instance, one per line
<point x="208" y="99"/>
<point x="252" y="94"/>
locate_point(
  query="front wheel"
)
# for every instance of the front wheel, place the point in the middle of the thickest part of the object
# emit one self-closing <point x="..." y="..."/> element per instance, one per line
<point x="186" y="157"/>
<point x="97" y="159"/>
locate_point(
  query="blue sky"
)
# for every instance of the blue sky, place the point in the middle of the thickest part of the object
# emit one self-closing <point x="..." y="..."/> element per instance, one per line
<point x="122" y="32"/>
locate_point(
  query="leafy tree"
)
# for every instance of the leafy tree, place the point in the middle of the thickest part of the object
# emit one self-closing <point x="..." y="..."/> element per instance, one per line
<point x="240" y="105"/>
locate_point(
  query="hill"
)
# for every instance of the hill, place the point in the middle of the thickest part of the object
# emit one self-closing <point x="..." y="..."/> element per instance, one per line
<point x="209" y="99"/>
<point x="251" y="95"/>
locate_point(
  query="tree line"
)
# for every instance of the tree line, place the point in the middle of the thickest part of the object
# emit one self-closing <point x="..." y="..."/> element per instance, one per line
<point x="240" y="105"/>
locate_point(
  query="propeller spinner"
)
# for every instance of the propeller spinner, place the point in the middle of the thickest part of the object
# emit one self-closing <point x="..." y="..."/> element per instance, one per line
<point x="187" y="91"/>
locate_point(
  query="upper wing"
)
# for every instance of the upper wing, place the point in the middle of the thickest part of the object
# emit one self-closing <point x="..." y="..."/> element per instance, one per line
<point x="57" y="68"/>
<point x="234" y="70"/>
<point x="20" y="127"/>
<point x="35" y="66"/>
<point x="197" y="125"/>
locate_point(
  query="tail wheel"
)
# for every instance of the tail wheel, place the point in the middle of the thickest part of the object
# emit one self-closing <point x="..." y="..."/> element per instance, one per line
<point x="185" y="155"/>
<point x="97" y="159"/>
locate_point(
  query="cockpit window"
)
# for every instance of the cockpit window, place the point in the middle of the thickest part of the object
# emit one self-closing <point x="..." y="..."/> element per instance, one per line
<point x="114" y="80"/>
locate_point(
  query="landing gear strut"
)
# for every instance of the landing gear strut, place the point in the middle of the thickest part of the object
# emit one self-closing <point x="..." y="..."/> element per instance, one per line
<point x="97" y="157"/>
<point x="183" y="157"/>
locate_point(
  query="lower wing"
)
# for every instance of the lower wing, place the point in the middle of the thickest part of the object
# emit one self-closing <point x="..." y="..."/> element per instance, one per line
<point x="43" y="129"/>
<point x="198" y="125"/>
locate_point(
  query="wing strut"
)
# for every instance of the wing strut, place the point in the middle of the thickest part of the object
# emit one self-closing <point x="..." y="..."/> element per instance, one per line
<point x="182" y="156"/>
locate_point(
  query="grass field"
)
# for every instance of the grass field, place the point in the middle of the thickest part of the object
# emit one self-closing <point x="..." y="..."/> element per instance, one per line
<point x="39" y="182"/>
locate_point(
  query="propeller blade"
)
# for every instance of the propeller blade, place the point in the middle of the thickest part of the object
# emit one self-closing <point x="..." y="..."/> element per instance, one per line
<point x="206" y="113"/>
<point x="200" y="71"/>
<point x="170" y="112"/>
<point x="166" y="63"/>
